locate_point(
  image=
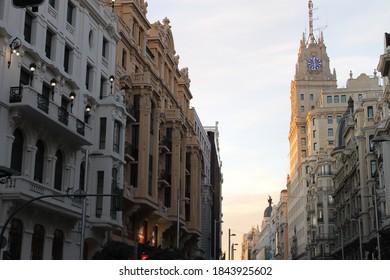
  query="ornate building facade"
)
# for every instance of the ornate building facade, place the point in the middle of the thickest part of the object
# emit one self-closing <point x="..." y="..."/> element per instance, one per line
<point x="101" y="110"/>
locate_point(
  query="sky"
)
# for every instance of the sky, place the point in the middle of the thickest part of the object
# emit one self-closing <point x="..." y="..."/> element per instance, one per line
<point x="241" y="57"/>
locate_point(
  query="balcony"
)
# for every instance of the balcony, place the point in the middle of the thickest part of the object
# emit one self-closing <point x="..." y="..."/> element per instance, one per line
<point x="33" y="106"/>
<point x="24" y="189"/>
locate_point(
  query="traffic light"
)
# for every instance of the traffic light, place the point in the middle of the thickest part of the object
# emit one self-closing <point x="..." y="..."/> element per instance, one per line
<point x="26" y="3"/>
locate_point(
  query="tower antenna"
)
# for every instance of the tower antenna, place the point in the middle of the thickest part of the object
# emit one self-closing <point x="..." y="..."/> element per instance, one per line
<point x="311" y="35"/>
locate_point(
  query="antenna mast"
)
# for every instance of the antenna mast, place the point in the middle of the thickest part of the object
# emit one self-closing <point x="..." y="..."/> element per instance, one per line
<point x="311" y="35"/>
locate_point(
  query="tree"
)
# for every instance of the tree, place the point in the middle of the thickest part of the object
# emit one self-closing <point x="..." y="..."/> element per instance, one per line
<point x="113" y="250"/>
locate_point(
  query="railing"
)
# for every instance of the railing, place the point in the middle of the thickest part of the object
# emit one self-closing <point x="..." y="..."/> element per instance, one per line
<point x="34" y="189"/>
<point x="63" y="115"/>
<point x="31" y="102"/>
<point x="43" y="103"/>
<point x="16" y="94"/>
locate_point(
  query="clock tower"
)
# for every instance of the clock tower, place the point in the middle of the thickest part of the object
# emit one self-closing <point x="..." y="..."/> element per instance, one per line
<point x="312" y="76"/>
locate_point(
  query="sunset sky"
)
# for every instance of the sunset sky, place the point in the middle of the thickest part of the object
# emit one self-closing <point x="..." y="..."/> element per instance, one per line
<point x="241" y="57"/>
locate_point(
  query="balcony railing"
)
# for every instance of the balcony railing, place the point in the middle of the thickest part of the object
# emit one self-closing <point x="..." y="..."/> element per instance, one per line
<point x="29" y="189"/>
<point x="31" y="104"/>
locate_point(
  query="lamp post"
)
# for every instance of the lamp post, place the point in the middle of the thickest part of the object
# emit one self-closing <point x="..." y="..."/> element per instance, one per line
<point x="360" y="237"/>
<point x="233" y="249"/>
<point x="216" y="256"/>
<point x="229" y="243"/>
<point x="376" y="222"/>
<point x="179" y="199"/>
<point x="84" y="209"/>
<point x="342" y="243"/>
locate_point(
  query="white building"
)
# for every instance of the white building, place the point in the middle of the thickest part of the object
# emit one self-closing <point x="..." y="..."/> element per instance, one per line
<point x="57" y="105"/>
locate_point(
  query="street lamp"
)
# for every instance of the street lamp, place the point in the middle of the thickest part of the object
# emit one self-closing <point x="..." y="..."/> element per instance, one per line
<point x="376" y="222"/>
<point x="72" y="96"/>
<point x="360" y="236"/>
<point x="342" y="243"/>
<point x="216" y="256"/>
<point x="233" y="249"/>
<point x="229" y="244"/>
<point x="179" y="199"/>
<point x="53" y="84"/>
<point x="32" y="67"/>
<point x="112" y="78"/>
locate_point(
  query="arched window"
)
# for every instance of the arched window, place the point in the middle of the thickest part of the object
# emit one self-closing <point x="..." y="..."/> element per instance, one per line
<point x="82" y="176"/>
<point x="58" y="245"/>
<point x="17" y="151"/>
<point x="39" y="162"/>
<point x="15" y="239"/>
<point x="58" y="170"/>
<point x="37" y="241"/>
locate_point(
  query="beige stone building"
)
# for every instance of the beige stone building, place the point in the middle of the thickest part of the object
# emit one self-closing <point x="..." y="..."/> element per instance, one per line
<point x="165" y="167"/>
<point x="317" y="106"/>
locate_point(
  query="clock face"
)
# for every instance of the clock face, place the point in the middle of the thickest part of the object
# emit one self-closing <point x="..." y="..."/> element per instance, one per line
<point x="314" y="63"/>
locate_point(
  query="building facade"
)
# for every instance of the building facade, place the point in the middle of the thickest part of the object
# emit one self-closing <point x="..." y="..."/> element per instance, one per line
<point x="55" y="67"/>
<point x="318" y="205"/>
<point x="95" y="106"/>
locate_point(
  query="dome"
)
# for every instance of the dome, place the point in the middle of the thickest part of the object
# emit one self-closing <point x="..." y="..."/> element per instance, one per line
<point x="268" y="210"/>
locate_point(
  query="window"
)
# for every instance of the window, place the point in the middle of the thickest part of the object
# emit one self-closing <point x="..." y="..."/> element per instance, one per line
<point x="124" y="58"/>
<point x="105" y="48"/>
<point x="330" y="119"/>
<point x="17" y="151"/>
<point x="39" y="161"/>
<point x="343" y="99"/>
<point x="102" y="135"/>
<point x="88" y="77"/>
<point x="99" y="199"/>
<point x="28" y="21"/>
<point x="315" y="146"/>
<point x="302" y="108"/>
<point x="24" y="76"/>
<point x="371" y="143"/>
<point x="58" y="171"/>
<point x="338" y="118"/>
<point x="302" y="96"/>
<point x="82" y="176"/>
<point x="374" y="172"/>
<point x="52" y="3"/>
<point x="314" y="133"/>
<point x="314" y="121"/>
<point x="370" y="112"/>
<point x="114" y="187"/>
<point x="15" y="236"/>
<point x="336" y="99"/>
<point x="117" y="134"/>
<point x="67" y="58"/>
<point x="103" y="83"/>
<point x="360" y="97"/>
<point x="330" y="131"/>
<point x="303" y="141"/>
<point x="58" y="245"/>
<point x="37" y="242"/>
<point x="329" y="99"/>
<point x="69" y="13"/>
<point x="48" y="44"/>
<point x="311" y="97"/>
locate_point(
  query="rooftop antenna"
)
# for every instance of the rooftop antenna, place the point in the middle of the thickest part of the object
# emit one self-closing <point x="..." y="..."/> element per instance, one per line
<point x="311" y="35"/>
